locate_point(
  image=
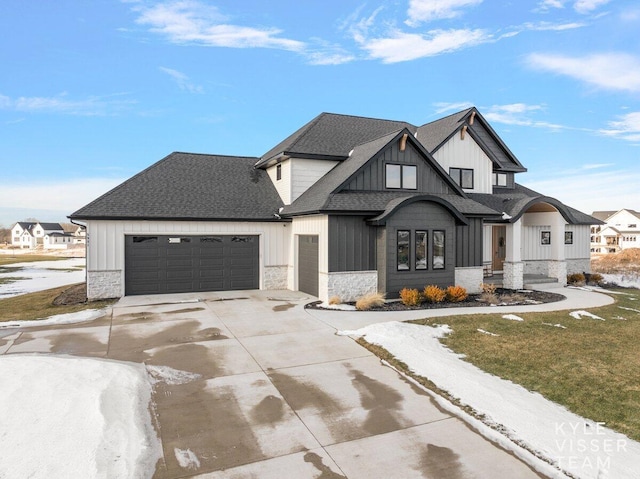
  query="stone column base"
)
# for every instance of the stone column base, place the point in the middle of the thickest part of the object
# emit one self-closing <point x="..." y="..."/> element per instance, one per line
<point x="513" y="275"/>
<point x="558" y="269"/>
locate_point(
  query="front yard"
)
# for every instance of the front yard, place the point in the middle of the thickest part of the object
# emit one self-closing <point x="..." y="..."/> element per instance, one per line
<point x="589" y="365"/>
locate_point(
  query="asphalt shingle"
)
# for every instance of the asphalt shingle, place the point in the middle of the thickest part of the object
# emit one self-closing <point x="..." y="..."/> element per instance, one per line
<point x="189" y="186"/>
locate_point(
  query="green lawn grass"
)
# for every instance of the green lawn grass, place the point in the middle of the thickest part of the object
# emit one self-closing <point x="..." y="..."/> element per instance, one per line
<point x="39" y="305"/>
<point x="27" y="258"/>
<point x="592" y="367"/>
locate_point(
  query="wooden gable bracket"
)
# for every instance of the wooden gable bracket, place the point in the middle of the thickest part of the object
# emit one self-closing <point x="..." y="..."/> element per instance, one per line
<point x="473" y="115"/>
<point x="403" y="142"/>
<point x="463" y="131"/>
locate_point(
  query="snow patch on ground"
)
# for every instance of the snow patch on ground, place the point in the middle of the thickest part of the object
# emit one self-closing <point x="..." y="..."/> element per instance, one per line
<point x="167" y="375"/>
<point x="63" y="416"/>
<point x="68" y="318"/>
<point x="186" y="458"/>
<point x="584" y="314"/>
<point x="338" y="307"/>
<point x="629" y="309"/>
<point x="41" y="275"/>
<point x="512" y="317"/>
<point x="555" y="325"/>
<point x="630" y="280"/>
<point x="487" y="332"/>
<point x="579" y="446"/>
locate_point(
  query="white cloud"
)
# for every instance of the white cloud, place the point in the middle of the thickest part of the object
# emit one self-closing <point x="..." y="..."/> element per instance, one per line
<point x="91" y="106"/>
<point x="587" y="6"/>
<point x="612" y="71"/>
<point x="545" y="5"/>
<point x="400" y="46"/>
<point x="182" y="80"/>
<point x="519" y="114"/>
<point x="427" y="10"/>
<point x="556" y="27"/>
<point x="443" y="107"/>
<point x="625" y="128"/>
<point x="193" y="22"/>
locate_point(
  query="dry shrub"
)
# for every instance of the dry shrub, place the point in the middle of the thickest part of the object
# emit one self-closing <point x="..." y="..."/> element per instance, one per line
<point x="335" y="300"/>
<point x="410" y="297"/>
<point x="596" y="278"/>
<point x="512" y="298"/>
<point x="368" y="301"/>
<point x="455" y="294"/>
<point x="434" y="294"/>
<point x="576" y="278"/>
<point x="488" y="288"/>
<point x="489" y="298"/>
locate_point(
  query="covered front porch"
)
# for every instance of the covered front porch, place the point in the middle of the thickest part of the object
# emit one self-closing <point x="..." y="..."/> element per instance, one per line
<point x="530" y="281"/>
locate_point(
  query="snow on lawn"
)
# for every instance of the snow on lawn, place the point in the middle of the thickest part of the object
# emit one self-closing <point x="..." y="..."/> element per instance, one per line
<point x="630" y="280"/>
<point x="580" y="446"/>
<point x="67" y="416"/>
<point x="584" y="314"/>
<point x="41" y="275"/>
<point x="512" y="317"/>
<point x="67" y="318"/>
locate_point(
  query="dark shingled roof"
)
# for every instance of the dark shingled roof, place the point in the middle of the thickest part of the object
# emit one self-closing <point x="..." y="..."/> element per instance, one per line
<point x="187" y="186"/>
<point x="333" y="135"/>
<point x="51" y="226"/>
<point x="515" y="202"/>
<point x="431" y="135"/>
<point x="603" y="215"/>
<point x="325" y="196"/>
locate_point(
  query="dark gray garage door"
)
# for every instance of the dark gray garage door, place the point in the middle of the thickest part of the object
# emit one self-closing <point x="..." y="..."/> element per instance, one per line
<point x="181" y="264"/>
<point x="308" y="264"/>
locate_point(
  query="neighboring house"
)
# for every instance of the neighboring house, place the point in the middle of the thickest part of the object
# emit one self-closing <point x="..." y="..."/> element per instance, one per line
<point x="344" y="206"/>
<point x="30" y="235"/>
<point x="58" y="241"/>
<point x="621" y="230"/>
<point x="22" y="235"/>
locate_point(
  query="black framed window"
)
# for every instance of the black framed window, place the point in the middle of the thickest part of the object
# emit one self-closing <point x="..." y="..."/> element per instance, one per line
<point x="278" y="172"/>
<point x="438" y="249"/>
<point x="568" y="237"/>
<point x="421" y="250"/>
<point x="462" y="176"/>
<point x="545" y="237"/>
<point x="499" y="179"/>
<point x="403" y="254"/>
<point x="401" y="176"/>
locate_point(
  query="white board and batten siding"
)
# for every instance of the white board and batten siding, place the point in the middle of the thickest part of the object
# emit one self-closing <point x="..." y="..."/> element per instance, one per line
<point x="533" y="249"/>
<point x="297" y="176"/>
<point x="283" y="185"/>
<point x="458" y="153"/>
<point x="274" y="239"/>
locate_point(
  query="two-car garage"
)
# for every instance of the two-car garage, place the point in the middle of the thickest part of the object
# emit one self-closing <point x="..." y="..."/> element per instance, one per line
<point x="156" y="264"/>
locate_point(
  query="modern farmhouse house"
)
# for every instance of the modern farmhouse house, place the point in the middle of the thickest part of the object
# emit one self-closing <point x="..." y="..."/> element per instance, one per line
<point x="344" y="206"/>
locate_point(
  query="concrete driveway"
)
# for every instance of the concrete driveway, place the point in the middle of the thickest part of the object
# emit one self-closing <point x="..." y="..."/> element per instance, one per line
<point x="277" y="393"/>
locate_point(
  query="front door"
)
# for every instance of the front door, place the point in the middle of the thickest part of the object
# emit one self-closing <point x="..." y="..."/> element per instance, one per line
<point x="499" y="247"/>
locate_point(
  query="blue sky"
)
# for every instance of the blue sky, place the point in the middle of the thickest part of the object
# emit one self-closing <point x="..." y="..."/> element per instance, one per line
<point x="93" y="92"/>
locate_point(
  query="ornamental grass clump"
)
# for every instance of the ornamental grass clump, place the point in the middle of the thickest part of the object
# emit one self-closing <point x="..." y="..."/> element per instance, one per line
<point x="410" y="297"/>
<point x="456" y="294"/>
<point x="488" y="295"/>
<point x="368" y="301"/>
<point x="333" y="300"/>
<point x="434" y="294"/>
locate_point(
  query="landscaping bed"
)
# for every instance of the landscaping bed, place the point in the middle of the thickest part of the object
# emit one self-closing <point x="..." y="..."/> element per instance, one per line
<point x="507" y="297"/>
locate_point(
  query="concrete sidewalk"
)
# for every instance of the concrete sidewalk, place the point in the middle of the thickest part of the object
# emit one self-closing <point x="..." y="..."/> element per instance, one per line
<point x="279" y="394"/>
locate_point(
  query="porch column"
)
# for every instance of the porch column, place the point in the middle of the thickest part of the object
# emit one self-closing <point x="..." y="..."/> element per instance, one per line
<point x="557" y="262"/>
<point x="513" y="270"/>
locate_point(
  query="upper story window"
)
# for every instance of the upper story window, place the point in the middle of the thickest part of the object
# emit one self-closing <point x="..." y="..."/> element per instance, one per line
<point x="278" y="172"/>
<point x="499" y="179"/>
<point x="462" y="176"/>
<point x="401" y="176"/>
<point x="632" y="226"/>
